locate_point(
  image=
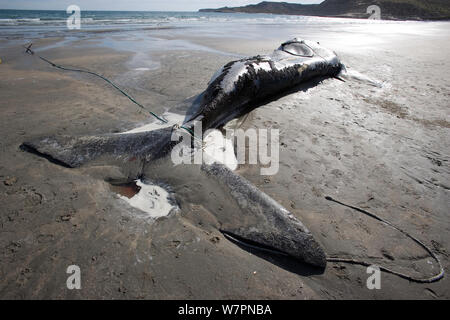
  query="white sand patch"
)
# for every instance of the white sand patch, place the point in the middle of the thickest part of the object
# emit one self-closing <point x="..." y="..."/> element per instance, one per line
<point x="218" y="148"/>
<point x="215" y="75"/>
<point x="151" y="199"/>
<point x="237" y="70"/>
<point x="350" y="74"/>
<point x="265" y="66"/>
<point x="172" y="118"/>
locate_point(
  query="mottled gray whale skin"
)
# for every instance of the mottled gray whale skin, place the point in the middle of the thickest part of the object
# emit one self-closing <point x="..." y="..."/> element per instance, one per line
<point x="263" y="221"/>
<point x="241" y="84"/>
<point x="234" y="90"/>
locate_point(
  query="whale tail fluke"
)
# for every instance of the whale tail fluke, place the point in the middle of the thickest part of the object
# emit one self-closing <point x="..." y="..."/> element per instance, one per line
<point x="73" y="152"/>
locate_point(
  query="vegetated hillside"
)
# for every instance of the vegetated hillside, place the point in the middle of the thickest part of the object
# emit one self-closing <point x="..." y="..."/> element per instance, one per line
<point x="390" y="9"/>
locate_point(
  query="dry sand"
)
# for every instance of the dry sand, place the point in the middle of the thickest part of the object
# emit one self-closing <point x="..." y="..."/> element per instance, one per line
<point x="385" y="150"/>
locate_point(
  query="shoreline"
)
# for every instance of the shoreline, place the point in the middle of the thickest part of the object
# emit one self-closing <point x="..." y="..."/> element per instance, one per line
<point x="343" y="16"/>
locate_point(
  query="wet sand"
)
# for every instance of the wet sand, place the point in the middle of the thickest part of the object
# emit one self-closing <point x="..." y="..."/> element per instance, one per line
<point x="383" y="149"/>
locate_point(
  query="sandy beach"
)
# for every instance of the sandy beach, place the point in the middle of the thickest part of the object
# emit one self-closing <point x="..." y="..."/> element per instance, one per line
<point x="382" y="148"/>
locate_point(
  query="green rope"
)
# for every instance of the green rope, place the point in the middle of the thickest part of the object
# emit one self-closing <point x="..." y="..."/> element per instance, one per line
<point x="111" y="83"/>
<point x="107" y="80"/>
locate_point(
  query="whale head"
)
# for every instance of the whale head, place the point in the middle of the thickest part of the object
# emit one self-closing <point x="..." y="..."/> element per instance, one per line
<point x="304" y="49"/>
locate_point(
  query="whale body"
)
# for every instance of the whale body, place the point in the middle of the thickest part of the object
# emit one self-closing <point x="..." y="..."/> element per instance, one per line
<point x="233" y="91"/>
<point x="250" y="215"/>
<point x="240" y="85"/>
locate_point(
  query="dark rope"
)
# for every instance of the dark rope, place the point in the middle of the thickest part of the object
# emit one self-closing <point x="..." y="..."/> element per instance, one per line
<point x="28" y="50"/>
<point x="435" y="278"/>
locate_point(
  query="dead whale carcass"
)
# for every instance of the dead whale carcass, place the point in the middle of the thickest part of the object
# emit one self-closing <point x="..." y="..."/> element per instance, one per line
<point x="234" y="90"/>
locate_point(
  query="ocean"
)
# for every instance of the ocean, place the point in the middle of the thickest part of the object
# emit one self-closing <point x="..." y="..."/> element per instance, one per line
<point x="16" y="24"/>
<point x="90" y="19"/>
<point x="54" y="18"/>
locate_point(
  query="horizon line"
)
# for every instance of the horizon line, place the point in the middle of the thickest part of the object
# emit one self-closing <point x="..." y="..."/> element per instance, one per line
<point x="102" y="10"/>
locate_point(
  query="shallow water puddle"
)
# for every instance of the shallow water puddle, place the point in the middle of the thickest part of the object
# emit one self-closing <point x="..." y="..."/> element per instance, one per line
<point x="128" y="190"/>
<point x="149" y="198"/>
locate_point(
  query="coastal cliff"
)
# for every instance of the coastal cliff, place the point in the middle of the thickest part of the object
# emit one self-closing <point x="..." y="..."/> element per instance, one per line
<point x="390" y="9"/>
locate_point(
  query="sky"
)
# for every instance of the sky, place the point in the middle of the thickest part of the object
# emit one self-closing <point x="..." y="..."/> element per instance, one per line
<point x="131" y="5"/>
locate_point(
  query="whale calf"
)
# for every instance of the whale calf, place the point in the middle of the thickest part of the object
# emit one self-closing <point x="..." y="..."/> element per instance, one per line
<point x="248" y="215"/>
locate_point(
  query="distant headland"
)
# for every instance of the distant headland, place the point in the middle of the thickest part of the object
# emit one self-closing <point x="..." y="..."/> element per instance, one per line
<point x="390" y="9"/>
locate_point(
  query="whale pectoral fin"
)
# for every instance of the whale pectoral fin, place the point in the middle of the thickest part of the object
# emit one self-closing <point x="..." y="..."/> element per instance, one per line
<point x="299" y="245"/>
<point x="74" y="152"/>
<point x="264" y="222"/>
